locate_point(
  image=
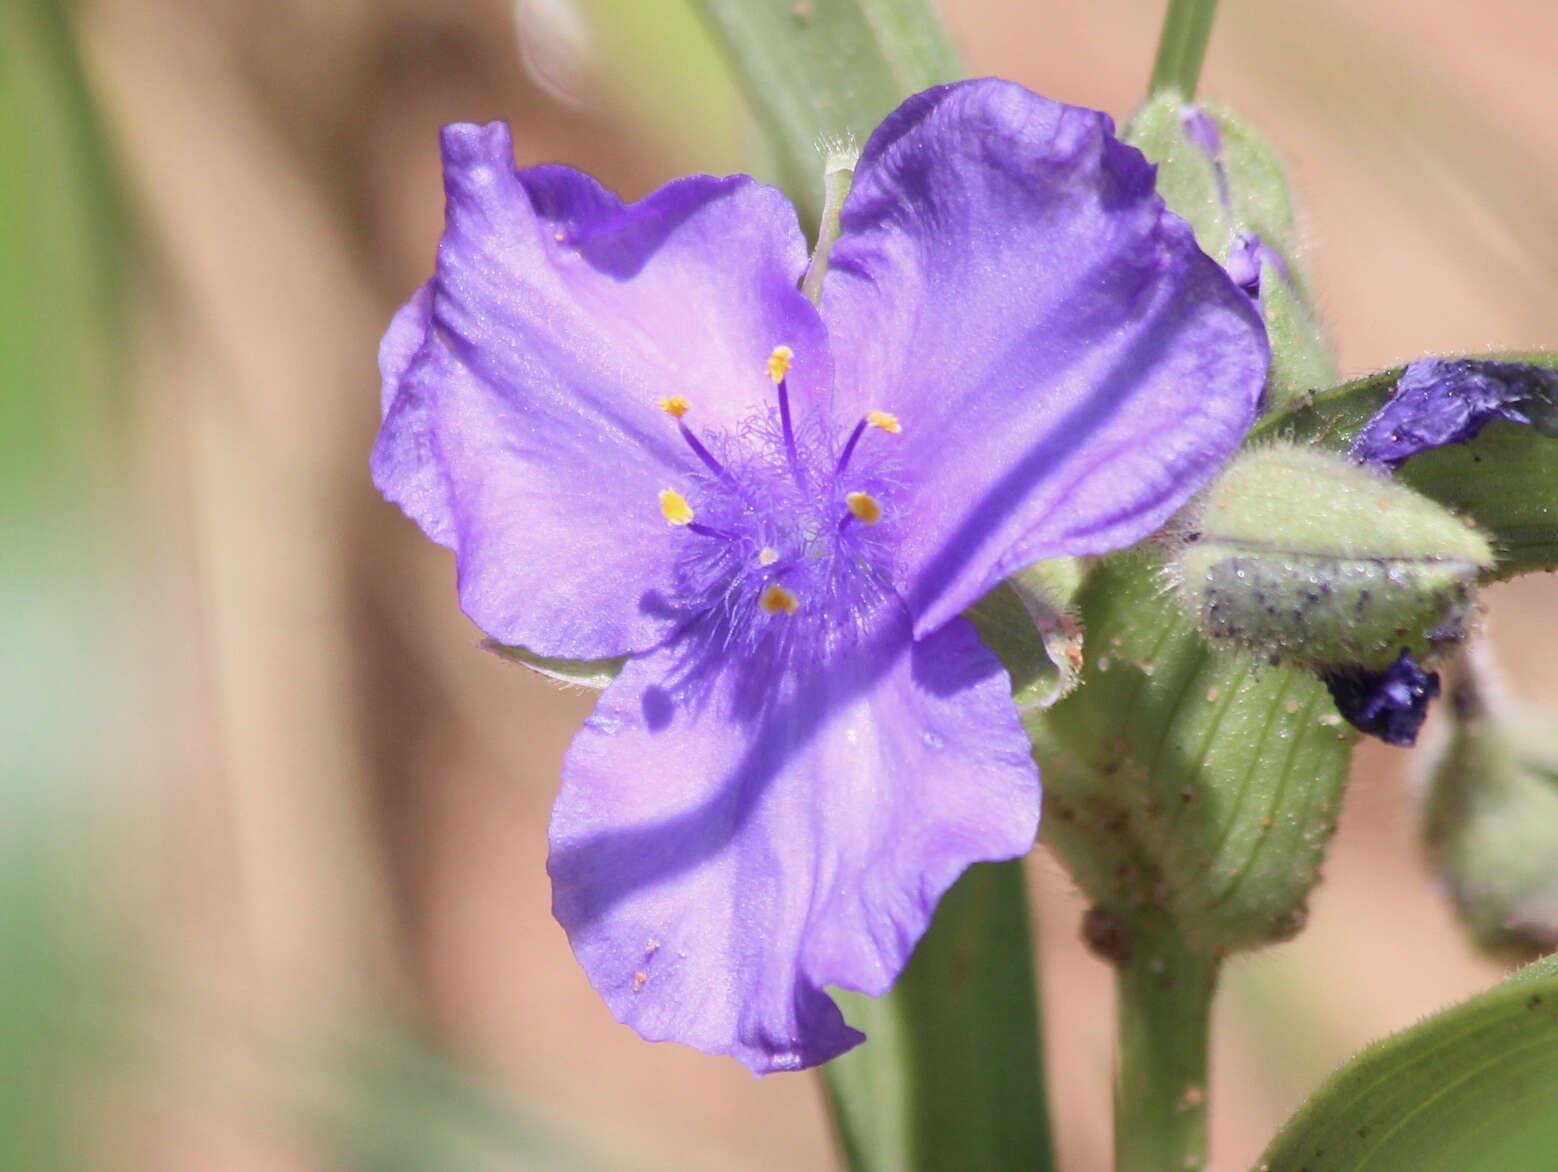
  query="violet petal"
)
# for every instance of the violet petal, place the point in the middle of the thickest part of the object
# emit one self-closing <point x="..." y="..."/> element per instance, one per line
<point x="1068" y="367"/>
<point x="726" y="846"/>
<point x="521" y="426"/>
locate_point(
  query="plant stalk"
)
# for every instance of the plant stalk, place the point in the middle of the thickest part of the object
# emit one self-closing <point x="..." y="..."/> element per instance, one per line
<point x="1187" y="27"/>
<point x="1163" y="1011"/>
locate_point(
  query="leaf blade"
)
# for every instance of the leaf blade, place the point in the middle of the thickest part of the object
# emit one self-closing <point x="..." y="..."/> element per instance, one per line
<point x="1469" y="1088"/>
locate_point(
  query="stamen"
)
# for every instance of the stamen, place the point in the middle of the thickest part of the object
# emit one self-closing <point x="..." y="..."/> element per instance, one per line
<point x="699" y="450"/>
<point x="883" y="419"/>
<point x="674" y="507"/>
<point x="865" y="506"/>
<point x="675" y="406"/>
<point x="779" y="363"/>
<point x="776" y="598"/>
<point x="778" y="366"/>
<point x="886" y="420"/>
<point x="767" y="556"/>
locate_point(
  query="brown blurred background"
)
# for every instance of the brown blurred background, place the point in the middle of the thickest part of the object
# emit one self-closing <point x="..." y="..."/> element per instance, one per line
<point x="304" y="814"/>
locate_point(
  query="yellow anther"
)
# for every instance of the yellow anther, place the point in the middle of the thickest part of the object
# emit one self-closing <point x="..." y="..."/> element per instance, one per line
<point x="559" y="236"/>
<point x="776" y="598"/>
<point x="674" y="507"/>
<point x="767" y="556"/>
<point x="779" y="362"/>
<point x="675" y="406"/>
<point x="885" y="420"/>
<point x="865" y="506"/>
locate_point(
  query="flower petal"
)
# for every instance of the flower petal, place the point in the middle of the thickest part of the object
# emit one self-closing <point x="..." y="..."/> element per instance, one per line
<point x="724" y="848"/>
<point x="1439" y="401"/>
<point x="1390" y="704"/>
<point x="521" y="422"/>
<point x="1067" y="366"/>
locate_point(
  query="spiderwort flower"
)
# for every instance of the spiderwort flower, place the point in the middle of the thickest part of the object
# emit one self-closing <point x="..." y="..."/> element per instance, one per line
<point x="639" y="438"/>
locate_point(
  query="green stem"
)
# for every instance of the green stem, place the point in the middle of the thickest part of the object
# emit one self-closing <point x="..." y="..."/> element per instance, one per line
<point x="1187" y="26"/>
<point x="1163" y="1007"/>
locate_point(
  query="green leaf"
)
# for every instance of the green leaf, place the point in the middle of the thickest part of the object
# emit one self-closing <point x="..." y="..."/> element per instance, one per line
<point x="1202" y="783"/>
<point x="950" y="1076"/>
<point x="587" y="673"/>
<point x="1471" y="1088"/>
<point x="824" y="70"/>
<point x="1505" y="481"/>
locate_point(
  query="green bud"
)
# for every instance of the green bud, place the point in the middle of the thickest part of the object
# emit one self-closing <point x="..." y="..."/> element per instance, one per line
<point x="1227" y="182"/>
<point x="1299" y="556"/>
<point x="1182" y="782"/>
<point x="1490" y="821"/>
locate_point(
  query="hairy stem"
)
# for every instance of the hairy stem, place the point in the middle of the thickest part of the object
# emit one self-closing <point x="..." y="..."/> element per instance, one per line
<point x="1163" y="1010"/>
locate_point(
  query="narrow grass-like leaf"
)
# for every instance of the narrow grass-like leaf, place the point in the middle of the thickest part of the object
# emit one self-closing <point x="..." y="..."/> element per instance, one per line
<point x="815" y="71"/>
<point x="950" y="1075"/>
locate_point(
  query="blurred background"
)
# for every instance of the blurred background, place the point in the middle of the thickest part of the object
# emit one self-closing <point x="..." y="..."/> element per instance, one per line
<point x="272" y="893"/>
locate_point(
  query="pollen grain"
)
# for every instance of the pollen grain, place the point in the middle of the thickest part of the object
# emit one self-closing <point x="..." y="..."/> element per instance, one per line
<point x="865" y="506"/>
<point x="779" y="362"/>
<point x="674" y="507"/>
<point x="886" y="420"/>
<point x="776" y="598"/>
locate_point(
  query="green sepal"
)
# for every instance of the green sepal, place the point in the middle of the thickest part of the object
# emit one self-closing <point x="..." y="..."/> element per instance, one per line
<point x="1029" y="621"/>
<point x="1301" y="556"/>
<point x="587" y="673"/>
<point x="820" y="71"/>
<point x="1505" y="481"/>
<point x="1301" y="359"/>
<point x="950" y="1075"/>
<point x="1187" y="176"/>
<point x="1470" y="1089"/>
<point x="1200" y="783"/>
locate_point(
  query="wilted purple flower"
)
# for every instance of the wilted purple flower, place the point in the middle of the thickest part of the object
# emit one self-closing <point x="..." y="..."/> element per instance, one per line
<point x="640" y="439"/>
<point x="1440" y="401"/>
<point x="1390" y="704"/>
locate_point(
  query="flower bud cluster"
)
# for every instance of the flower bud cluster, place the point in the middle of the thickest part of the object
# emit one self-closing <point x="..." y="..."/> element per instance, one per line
<point x="1490" y="820"/>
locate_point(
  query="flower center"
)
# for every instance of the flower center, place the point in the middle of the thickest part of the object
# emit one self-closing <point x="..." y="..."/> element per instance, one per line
<point x="786" y="527"/>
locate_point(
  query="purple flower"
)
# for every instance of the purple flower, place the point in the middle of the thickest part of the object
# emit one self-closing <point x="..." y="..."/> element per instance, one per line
<point x="1440" y="401"/>
<point x="1390" y="704"/>
<point x="640" y="439"/>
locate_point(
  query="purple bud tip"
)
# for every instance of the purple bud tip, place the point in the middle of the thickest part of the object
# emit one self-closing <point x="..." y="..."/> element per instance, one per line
<point x="1440" y="401"/>
<point x="1248" y="260"/>
<point x="1201" y="129"/>
<point x="1390" y="704"/>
